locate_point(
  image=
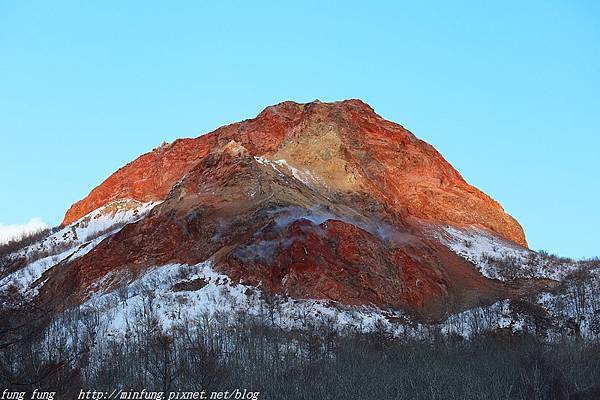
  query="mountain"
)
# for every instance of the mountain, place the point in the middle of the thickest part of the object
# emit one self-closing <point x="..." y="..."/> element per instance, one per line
<point x="346" y="145"/>
<point x="320" y="205"/>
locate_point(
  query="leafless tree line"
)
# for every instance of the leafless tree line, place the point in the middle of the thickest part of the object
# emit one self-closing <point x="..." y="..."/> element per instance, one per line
<point x="76" y="351"/>
<point x="554" y="355"/>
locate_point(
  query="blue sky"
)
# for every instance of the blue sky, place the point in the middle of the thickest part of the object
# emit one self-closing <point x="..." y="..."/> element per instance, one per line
<point x="508" y="93"/>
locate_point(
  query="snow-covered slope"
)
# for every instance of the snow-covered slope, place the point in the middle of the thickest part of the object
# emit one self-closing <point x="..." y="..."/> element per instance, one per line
<point x="175" y="294"/>
<point x="501" y="259"/>
<point x="70" y="242"/>
<point x="570" y="307"/>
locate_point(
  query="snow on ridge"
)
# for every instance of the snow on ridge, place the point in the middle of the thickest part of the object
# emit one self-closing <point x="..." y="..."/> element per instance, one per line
<point x="497" y="258"/>
<point x="476" y="245"/>
<point x="88" y="227"/>
<point x="306" y="177"/>
<point x="71" y="242"/>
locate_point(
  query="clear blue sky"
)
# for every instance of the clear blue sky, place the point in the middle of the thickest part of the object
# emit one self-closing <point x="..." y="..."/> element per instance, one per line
<point x="509" y="94"/>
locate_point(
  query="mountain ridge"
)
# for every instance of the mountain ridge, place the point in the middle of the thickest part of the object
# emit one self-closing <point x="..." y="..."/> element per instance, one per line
<point x="321" y="212"/>
<point x="345" y="136"/>
<point x="322" y="201"/>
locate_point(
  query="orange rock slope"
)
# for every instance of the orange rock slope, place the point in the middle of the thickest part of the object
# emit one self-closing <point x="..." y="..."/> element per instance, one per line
<point x="342" y="147"/>
<point x="320" y="200"/>
<point x="264" y="227"/>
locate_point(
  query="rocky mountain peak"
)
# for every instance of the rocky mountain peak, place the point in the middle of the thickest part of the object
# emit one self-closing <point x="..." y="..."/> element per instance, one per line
<point x="345" y="147"/>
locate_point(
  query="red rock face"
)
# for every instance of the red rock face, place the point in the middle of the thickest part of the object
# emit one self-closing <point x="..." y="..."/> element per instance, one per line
<point x="339" y="261"/>
<point x="346" y="145"/>
<point x="319" y="201"/>
<point x="151" y="176"/>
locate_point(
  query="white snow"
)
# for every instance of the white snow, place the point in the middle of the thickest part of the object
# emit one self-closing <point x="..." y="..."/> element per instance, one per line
<point x="282" y="167"/>
<point x="23" y="278"/>
<point x="73" y="241"/>
<point x="305" y="176"/>
<point x="152" y="296"/>
<point x="500" y="259"/>
<point x="480" y="319"/>
<point x="119" y="212"/>
<point x="220" y="298"/>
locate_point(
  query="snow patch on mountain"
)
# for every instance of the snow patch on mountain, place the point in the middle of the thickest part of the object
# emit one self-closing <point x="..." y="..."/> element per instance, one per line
<point x="162" y="296"/>
<point x="155" y="294"/>
<point x="70" y="242"/>
<point x="282" y="167"/>
<point x="501" y="259"/>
